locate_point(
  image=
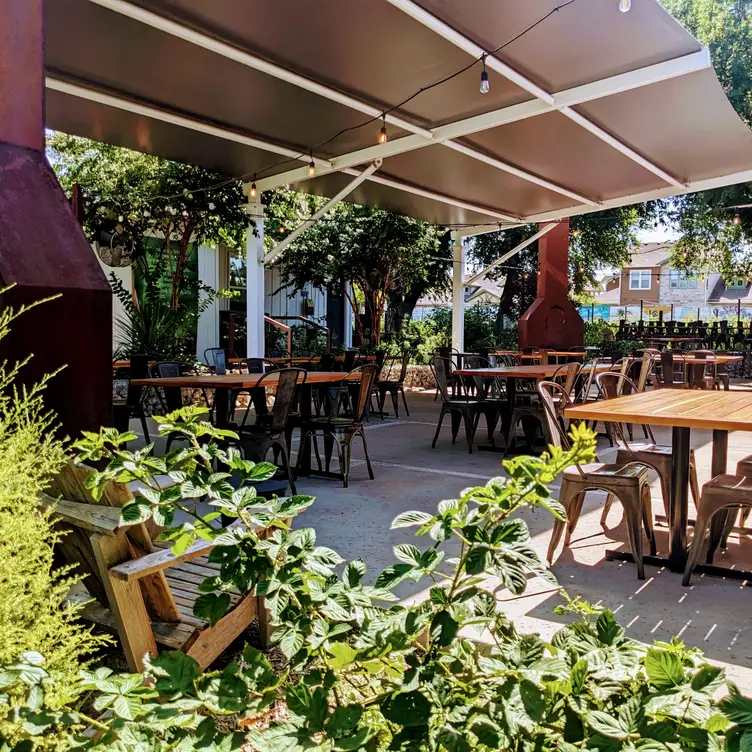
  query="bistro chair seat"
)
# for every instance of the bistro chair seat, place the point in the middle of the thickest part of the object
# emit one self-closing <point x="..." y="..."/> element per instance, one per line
<point x="394" y="387"/>
<point x="722" y="493"/>
<point x="628" y="483"/>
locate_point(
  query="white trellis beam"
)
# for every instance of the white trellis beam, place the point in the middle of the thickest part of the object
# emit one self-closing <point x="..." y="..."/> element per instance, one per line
<point x="521" y="247"/>
<point x="298" y="231"/>
<point x="513" y="113"/>
<point x="458" y="293"/>
<point x="443" y="29"/>
<point x="139" y="108"/>
<point x="417" y="191"/>
<point x="243" y="57"/>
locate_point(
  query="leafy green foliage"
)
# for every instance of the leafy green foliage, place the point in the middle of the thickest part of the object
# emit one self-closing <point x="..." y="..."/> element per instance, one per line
<point x="32" y="592"/>
<point x="365" y="672"/>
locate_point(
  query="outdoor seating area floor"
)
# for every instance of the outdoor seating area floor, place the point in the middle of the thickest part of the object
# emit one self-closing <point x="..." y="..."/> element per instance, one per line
<point x="712" y="614"/>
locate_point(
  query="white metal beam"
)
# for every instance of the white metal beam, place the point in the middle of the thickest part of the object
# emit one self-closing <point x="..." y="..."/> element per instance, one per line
<point x="441" y="28"/>
<point x="139" y="108"/>
<point x="298" y="231"/>
<point x="639" y="198"/>
<point x="415" y="190"/>
<point x="467" y="126"/>
<point x="472" y="231"/>
<point x="458" y="294"/>
<point x="499" y="165"/>
<point x="252" y="61"/>
<point x="521" y="247"/>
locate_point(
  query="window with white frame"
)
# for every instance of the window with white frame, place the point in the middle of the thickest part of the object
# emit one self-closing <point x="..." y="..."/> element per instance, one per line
<point x="639" y="279"/>
<point x="737" y="284"/>
<point x="682" y="280"/>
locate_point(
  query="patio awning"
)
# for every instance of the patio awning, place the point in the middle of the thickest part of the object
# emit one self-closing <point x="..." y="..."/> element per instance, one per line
<point x="590" y="109"/>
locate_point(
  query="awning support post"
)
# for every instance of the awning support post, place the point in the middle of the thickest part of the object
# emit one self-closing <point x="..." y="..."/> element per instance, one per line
<point x="254" y="264"/>
<point x="458" y="293"/>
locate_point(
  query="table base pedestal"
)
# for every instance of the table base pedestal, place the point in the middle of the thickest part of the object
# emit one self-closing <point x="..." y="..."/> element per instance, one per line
<point x="740" y="575"/>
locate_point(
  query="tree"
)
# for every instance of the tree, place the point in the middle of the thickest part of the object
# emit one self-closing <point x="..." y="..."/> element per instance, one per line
<point x="713" y="227"/>
<point x="151" y="208"/>
<point x="388" y="258"/>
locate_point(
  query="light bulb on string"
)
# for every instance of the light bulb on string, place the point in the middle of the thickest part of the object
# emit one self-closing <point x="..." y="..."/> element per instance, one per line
<point x="311" y="168"/>
<point x="625" y="6"/>
<point x="253" y="189"/>
<point x="737" y="219"/>
<point x="383" y="137"/>
<point x="485" y="86"/>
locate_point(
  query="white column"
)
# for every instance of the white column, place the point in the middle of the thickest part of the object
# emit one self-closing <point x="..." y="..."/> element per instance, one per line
<point x="207" y="331"/>
<point x="458" y="293"/>
<point x="349" y="318"/>
<point x="255" y="280"/>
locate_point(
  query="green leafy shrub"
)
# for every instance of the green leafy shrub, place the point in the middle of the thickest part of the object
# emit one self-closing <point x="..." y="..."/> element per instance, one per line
<point x="366" y="673"/>
<point x="32" y="617"/>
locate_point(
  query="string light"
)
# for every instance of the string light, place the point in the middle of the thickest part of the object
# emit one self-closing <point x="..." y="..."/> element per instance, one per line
<point x="383" y="137"/>
<point x="253" y="189"/>
<point x="485" y="86"/>
<point x="576" y="233"/>
<point x="311" y="167"/>
<point x="625" y="6"/>
<point x="737" y="219"/>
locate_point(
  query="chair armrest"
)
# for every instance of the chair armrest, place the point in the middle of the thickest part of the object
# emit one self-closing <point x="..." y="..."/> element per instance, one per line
<point x="154" y="562"/>
<point x="91" y="517"/>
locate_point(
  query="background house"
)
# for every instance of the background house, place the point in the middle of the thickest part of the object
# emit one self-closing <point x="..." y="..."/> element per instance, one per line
<point x="649" y="284"/>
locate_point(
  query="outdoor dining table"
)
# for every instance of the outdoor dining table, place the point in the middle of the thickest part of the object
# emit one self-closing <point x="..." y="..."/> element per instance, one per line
<point x="226" y="384"/>
<point x="683" y="410"/>
<point x="512" y="374"/>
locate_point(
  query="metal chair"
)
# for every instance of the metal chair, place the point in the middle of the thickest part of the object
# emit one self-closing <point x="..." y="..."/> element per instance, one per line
<point x="209" y="355"/>
<point x="339" y="431"/>
<point x="394" y="387"/>
<point x="132" y="406"/>
<point x="257" y="440"/>
<point x="462" y="409"/>
<point x="672" y="376"/>
<point x="655" y="456"/>
<point x="721" y="494"/>
<point x="629" y="483"/>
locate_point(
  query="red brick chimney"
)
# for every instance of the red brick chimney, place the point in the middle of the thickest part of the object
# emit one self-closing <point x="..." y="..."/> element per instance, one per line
<point x="552" y="321"/>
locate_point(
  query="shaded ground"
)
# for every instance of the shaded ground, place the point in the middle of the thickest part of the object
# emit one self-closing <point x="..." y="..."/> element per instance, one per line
<point x="713" y="614"/>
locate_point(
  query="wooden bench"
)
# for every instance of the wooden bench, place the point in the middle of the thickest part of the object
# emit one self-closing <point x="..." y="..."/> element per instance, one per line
<point x="136" y="587"/>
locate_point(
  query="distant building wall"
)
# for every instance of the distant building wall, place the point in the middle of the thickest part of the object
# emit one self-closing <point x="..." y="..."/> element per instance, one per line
<point x="125" y="275"/>
<point x="648" y="296"/>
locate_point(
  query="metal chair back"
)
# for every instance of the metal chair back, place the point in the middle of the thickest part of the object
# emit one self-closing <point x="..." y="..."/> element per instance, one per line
<point x="442" y="370"/>
<point x="220" y="362"/>
<point x="286" y="381"/>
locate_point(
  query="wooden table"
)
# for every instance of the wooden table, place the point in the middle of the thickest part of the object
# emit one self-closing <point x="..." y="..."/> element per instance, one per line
<point x="317" y="359"/>
<point x="511" y="374"/>
<point x="225" y="385"/>
<point x="683" y="410"/>
<point x="711" y="359"/>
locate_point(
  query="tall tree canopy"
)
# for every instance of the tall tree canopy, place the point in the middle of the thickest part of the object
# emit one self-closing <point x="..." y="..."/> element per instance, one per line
<point x="715" y="230"/>
<point x="388" y="258"/>
<point x="134" y="201"/>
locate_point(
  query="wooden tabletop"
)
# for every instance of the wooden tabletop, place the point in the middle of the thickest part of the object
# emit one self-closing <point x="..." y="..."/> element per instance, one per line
<point x="690" y="358"/>
<point x="317" y="359"/>
<point x="543" y="371"/>
<point x="535" y="355"/>
<point x="238" y="380"/>
<point x="684" y="408"/>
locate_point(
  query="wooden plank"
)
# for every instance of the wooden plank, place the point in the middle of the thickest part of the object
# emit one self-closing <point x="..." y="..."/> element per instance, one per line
<point x="238" y="380"/>
<point x="213" y="640"/>
<point x="674" y="407"/>
<point x="126" y="601"/>
<point x="89" y="517"/>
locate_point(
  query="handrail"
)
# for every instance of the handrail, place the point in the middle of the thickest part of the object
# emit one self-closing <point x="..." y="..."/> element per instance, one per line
<point x="310" y="322"/>
<point x="286" y="329"/>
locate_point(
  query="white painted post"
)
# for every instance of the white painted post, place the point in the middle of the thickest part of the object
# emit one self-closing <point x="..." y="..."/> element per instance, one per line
<point x="255" y="280"/>
<point x="458" y="293"/>
<point x="207" y="331"/>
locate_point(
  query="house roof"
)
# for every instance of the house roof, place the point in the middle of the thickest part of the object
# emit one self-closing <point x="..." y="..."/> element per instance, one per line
<point x="608" y="297"/>
<point x="250" y="89"/>
<point x="650" y="254"/>
<point x="719" y="293"/>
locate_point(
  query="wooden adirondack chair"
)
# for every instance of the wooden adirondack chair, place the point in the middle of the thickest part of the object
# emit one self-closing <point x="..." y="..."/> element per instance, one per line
<point x="141" y="589"/>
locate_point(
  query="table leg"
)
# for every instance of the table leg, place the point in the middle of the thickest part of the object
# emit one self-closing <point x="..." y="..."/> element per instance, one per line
<point x="221" y="407"/>
<point x="679" y="500"/>
<point x="306" y="398"/>
<point x="719" y="525"/>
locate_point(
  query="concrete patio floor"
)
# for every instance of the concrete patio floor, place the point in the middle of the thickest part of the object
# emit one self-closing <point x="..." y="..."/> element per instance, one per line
<point x="712" y="614"/>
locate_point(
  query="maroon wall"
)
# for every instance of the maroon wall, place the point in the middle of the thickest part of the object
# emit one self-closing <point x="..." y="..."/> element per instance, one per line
<point x="43" y="251"/>
<point x="552" y="321"/>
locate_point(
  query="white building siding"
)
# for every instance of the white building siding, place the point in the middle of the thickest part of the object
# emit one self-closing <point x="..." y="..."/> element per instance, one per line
<point x="125" y="275"/>
<point x="279" y="303"/>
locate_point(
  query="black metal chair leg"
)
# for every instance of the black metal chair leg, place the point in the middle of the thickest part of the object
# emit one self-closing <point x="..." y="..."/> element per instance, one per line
<point x="368" y="459"/>
<point x="395" y="402"/>
<point x="438" y="426"/>
<point x="404" y="400"/>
